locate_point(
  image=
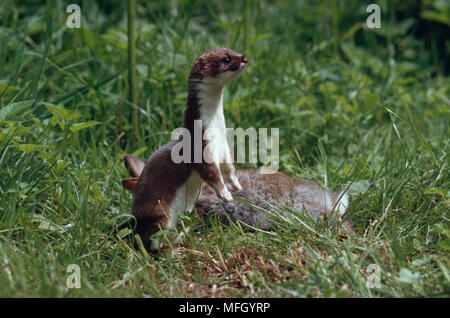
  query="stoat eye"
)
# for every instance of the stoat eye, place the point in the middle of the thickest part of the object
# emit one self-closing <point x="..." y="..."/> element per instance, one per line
<point x="226" y="60"/>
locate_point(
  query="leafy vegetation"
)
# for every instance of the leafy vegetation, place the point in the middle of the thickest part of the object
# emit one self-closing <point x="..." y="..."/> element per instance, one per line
<point x="357" y="107"/>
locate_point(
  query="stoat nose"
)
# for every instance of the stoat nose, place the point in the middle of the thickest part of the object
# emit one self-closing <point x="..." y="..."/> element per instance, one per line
<point x="244" y="59"/>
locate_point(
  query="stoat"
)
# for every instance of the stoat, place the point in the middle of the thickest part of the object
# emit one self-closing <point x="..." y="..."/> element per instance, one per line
<point x="165" y="188"/>
<point x="263" y="191"/>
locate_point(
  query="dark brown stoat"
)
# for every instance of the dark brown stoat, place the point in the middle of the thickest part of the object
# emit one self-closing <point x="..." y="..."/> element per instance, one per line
<point x="263" y="191"/>
<point x="164" y="188"/>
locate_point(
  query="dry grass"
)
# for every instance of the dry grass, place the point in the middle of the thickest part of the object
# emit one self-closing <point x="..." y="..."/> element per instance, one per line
<point x="238" y="271"/>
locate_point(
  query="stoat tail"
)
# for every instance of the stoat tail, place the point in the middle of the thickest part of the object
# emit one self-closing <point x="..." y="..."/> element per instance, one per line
<point x="135" y="167"/>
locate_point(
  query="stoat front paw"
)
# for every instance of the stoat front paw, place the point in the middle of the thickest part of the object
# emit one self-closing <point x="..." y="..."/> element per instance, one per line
<point x="235" y="183"/>
<point x="225" y="195"/>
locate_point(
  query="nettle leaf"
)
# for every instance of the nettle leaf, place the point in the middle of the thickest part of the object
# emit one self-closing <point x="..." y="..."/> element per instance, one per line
<point x="97" y="193"/>
<point x="445" y="244"/>
<point x="4" y="138"/>
<point x="359" y="187"/>
<point x="408" y="277"/>
<point x="124" y="232"/>
<point x="142" y="69"/>
<point x="62" y="113"/>
<point x="15" y="109"/>
<point x="60" y="166"/>
<point x="16" y="131"/>
<point x="138" y="152"/>
<point x="79" y="126"/>
<point x="6" y="123"/>
<point x="116" y="38"/>
<point x="30" y="148"/>
<point x="46" y="224"/>
<point x="90" y="38"/>
<point x="441" y="17"/>
<point x="6" y="88"/>
<point x="441" y="229"/>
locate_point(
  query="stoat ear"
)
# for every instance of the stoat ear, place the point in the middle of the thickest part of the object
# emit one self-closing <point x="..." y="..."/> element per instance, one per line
<point x="130" y="183"/>
<point x="197" y="69"/>
<point x="134" y="165"/>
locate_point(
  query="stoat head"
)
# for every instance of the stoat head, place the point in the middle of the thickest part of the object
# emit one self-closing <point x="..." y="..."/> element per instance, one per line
<point x="217" y="66"/>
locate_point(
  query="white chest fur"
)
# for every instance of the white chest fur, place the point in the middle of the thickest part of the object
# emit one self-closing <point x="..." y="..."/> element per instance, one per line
<point x="213" y="121"/>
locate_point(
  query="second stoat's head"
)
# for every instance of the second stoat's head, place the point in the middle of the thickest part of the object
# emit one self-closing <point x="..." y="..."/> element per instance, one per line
<point x="217" y="66"/>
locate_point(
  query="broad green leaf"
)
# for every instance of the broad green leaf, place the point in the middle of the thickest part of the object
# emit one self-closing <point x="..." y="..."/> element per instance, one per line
<point x="9" y="88"/>
<point x="138" y="152"/>
<point x="79" y="126"/>
<point x="4" y="138"/>
<point x="16" y="131"/>
<point x="61" y="112"/>
<point x="15" y="109"/>
<point x="436" y="16"/>
<point x="89" y="38"/>
<point x="445" y="244"/>
<point x="29" y="148"/>
<point x="408" y="277"/>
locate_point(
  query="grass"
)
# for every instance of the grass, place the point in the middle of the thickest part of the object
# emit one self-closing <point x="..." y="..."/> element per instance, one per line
<point x="354" y="106"/>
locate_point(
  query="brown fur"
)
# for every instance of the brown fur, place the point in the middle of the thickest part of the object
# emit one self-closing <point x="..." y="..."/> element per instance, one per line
<point x="209" y="63"/>
<point x="134" y="165"/>
<point x="130" y="183"/>
<point x="155" y="190"/>
<point x="266" y="190"/>
<point x="160" y="177"/>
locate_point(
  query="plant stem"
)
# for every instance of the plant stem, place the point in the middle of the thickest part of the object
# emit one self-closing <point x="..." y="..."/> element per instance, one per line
<point x="132" y="69"/>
